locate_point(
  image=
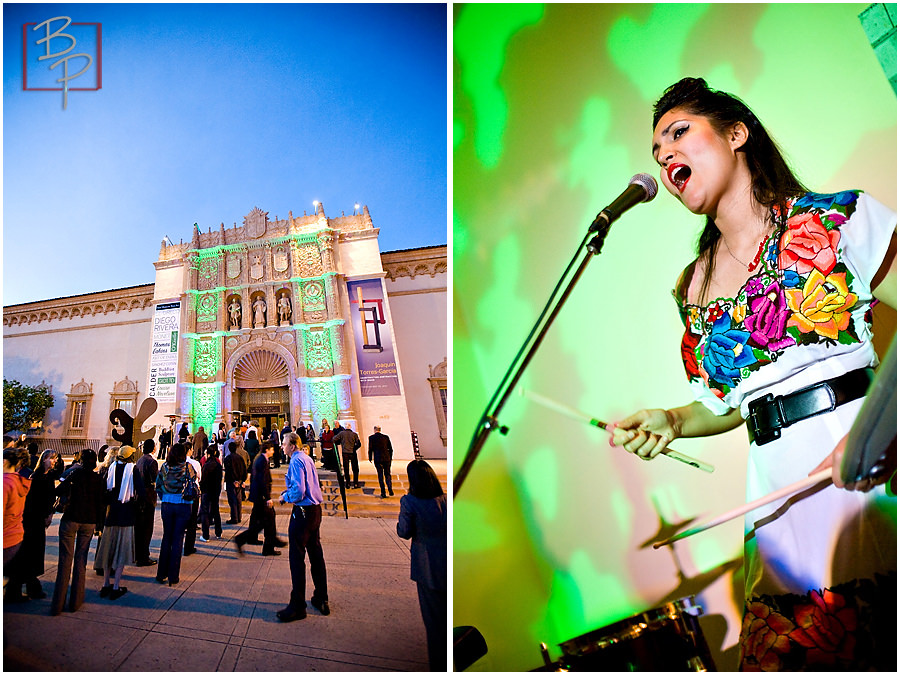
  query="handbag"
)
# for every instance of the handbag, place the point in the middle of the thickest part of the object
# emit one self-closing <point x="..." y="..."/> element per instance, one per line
<point x="191" y="490"/>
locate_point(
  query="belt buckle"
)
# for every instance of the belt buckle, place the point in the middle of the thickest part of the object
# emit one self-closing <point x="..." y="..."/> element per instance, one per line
<point x="762" y="430"/>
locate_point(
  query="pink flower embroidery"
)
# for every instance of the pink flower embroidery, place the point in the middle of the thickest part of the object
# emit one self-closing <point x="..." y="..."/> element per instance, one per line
<point x="808" y="245"/>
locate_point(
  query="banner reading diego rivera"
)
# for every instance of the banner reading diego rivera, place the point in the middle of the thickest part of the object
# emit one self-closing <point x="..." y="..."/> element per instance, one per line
<point x="164" y="355"/>
<point x="374" y="349"/>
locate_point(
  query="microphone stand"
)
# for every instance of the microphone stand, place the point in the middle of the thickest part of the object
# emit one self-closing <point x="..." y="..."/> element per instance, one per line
<point x="489" y="419"/>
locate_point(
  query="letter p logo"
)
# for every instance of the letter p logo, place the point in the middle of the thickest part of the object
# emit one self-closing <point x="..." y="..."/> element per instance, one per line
<point x="57" y="46"/>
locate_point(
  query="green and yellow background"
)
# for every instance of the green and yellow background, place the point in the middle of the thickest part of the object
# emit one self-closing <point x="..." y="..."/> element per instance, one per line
<point x="551" y="118"/>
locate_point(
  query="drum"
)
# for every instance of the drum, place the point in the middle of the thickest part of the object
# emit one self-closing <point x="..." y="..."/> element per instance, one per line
<point x="666" y="638"/>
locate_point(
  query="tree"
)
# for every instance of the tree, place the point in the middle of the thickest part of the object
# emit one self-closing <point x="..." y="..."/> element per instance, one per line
<point x="24" y="405"/>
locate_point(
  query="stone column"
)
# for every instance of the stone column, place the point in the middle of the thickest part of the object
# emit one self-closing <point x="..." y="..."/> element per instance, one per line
<point x="271" y="306"/>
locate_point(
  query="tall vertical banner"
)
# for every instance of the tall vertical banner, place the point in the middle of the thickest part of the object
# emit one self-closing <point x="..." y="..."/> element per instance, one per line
<point x="163" y="374"/>
<point x="372" y="334"/>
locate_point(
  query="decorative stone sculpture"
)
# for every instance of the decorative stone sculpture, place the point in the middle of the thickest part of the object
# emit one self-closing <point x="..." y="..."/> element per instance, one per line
<point x="235" y="310"/>
<point x="284" y="310"/>
<point x="259" y="313"/>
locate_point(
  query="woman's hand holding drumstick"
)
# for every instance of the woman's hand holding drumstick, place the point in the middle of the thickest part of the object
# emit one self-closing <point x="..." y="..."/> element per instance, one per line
<point x="621" y="436"/>
<point x="646" y="433"/>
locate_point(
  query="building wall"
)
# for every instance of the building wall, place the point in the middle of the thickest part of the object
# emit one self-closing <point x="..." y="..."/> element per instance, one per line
<point x="101" y="338"/>
<point x="416" y="283"/>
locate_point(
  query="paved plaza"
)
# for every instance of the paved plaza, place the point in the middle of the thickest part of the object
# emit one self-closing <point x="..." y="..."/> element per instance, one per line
<point x="221" y="616"/>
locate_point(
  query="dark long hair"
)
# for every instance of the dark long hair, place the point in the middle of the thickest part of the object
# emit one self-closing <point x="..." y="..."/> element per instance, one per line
<point x="423" y="482"/>
<point x="177" y="454"/>
<point x="773" y="182"/>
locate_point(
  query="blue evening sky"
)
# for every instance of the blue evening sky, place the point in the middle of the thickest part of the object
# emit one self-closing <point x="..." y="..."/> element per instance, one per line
<point x="209" y="110"/>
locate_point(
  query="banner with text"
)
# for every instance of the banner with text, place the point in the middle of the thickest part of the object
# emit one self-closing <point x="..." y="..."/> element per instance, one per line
<point x="374" y="349"/>
<point x="163" y="373"/>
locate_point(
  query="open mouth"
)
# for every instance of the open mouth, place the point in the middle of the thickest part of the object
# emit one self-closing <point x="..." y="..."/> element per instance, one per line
<point x="679" y="175"/>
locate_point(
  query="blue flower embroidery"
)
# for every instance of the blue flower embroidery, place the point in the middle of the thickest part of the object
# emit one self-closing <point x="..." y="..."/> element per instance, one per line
<point x="791" y="279"/>
<point x="826" y="201"/>
<point x="727" y="352"/>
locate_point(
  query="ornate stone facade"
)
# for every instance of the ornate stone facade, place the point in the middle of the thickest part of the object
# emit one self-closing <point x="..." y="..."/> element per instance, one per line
<point x="268" y="287"/>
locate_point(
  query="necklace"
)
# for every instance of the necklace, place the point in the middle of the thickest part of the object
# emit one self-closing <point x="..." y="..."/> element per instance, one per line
<point x="752" y="265"/>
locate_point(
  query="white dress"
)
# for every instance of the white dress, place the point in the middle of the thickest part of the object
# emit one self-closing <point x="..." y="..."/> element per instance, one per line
<point x="820" y="571"/>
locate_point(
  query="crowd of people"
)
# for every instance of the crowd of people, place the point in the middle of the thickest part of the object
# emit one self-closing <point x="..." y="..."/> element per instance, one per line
<point x="113" y="495"/>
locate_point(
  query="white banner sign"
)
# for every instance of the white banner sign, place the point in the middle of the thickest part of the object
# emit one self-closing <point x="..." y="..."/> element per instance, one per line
<point x="163" y="375"/>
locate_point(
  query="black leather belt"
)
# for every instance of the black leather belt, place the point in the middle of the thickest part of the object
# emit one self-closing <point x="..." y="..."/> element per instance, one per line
<point x="770" y="414"/>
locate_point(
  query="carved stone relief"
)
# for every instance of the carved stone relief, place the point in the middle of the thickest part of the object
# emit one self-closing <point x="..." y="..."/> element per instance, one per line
<point x="313" y="296"/>
<point x="309" y="262"/>
<point x="206" y="307"/>
<point x="206" y="359"/>
<point x="255" y="223"/>
<point x="233" y="266"/>
<point x="257" y="269"/>
<point x="207" y="273"/>
<point x="280" y="258"/>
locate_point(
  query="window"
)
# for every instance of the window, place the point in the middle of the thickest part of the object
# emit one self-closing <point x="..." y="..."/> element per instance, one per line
<point x="78" y="408"/>
<point x="438" y="381"/>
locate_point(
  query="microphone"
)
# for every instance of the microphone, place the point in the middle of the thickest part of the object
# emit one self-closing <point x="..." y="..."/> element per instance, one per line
<point x="641" y="188"/>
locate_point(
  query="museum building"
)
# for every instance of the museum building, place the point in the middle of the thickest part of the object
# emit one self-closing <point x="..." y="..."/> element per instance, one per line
<point x="298" y="319"/>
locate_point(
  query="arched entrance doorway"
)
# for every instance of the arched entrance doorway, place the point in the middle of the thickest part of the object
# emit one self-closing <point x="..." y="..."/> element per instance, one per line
<point x="262" y="389"/>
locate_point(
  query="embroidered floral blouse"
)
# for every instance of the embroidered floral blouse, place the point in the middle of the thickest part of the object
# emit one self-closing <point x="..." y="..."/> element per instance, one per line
<point x="807" y="309"/>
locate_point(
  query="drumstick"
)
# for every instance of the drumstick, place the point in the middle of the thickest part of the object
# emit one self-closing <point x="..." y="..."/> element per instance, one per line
<point x="578" y="415"/>
<point x="809" y="481"/>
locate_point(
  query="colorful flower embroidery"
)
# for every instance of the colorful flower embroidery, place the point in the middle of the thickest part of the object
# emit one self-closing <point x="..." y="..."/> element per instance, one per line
<point x="822" y="306"/>
<point x="851" y="626"/>
<point x="825" y="627"/>
<point x="688" y="344"/>
<point x="768" y="319"/>
<point x="727" y="352"/>
<point x="800" y="296"/>
<point x="807" y="245"/>
<point x="826" y="200"/>
<point x="765" y="637"/>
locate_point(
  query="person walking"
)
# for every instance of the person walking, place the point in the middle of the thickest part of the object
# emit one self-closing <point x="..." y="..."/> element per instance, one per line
<point x="210" y="489"/>
<point x="381" y="452"/>
<point x="303" y="491"/>
<point x="83" y="515"/>
<point x="235" y="475"/>
<point x="349" y="442"/>
<point x="116" y="548"/>
<point x="423" y="519"/>
<point x="175" y="511"/>
<point x="145" y="471"/>
<point x="262" y="517"/>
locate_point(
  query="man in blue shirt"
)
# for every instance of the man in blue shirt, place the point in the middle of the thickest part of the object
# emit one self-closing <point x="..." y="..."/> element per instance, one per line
<point x="304" y="492"/>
